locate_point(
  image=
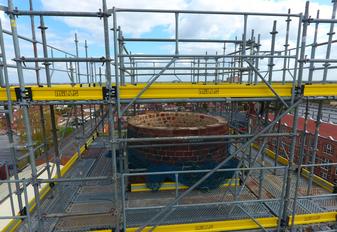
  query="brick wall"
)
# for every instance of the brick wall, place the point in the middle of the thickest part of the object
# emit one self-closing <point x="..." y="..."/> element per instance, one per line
<point x="322" y="156"/>
<point x="165" y="124"/>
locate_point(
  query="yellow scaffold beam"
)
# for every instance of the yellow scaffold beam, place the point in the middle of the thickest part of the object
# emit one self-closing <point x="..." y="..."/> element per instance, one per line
<point x="229" y="225"/>
<point x="167" y="186"/>
<point x="204" y="91"/>
<point x="314" y="218"/>
<point x="327" y="90"/>
<point x="242" y="224"/>
<point x="157" y="91"/>
<point x="330" y="187"/>
<point x="167" y="91"/>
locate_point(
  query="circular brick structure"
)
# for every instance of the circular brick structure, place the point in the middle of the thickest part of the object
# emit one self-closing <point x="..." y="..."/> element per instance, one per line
<point x="166" y="124"/>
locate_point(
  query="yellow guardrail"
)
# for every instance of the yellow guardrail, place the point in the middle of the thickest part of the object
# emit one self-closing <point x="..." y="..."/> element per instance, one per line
<point x="272" y="155"/>
<point x="314" y="218"/>
<point x="304" y="172"/>
<point x="246" y="224"/>
<point x="169" y="91"/>
<point x="318" y="180"/>
<point x="228" y="225"/>
<point x="100" y="231"/>
<point x="15" y="223"/>
<point x="167" y="186"/>
<point x="243" y="224"/>
<point x="313" y="90"/>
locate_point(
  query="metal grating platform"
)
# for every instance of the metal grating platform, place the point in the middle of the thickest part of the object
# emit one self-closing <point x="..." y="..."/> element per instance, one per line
<point x="80" y="205"/>
<point x="89" y="205"/>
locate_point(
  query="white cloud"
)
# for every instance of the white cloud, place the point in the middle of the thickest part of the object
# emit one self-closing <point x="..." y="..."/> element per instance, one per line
<point x="208" y="26"/>
<point x="135" y="24"/>
<point x="191" y="26"/>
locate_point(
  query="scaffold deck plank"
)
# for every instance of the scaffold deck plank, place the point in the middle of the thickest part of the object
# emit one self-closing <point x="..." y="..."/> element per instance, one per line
<point x="170" y="91"/>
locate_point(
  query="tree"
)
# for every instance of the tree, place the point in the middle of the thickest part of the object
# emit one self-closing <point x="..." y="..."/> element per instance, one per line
<point x="35" y="122"/>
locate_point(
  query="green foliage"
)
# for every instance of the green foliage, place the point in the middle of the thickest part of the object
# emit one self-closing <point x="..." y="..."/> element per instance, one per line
<point x="66" y="131"/>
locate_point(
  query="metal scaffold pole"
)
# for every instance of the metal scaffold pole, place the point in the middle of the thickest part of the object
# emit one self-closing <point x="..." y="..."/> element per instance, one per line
<point x="328" y="49"/>
<point x="239" y="163"/>
<point x="25" y="109"/>
<point x="272" y="52"/>
<point x="9" y="120"/>
<point x="244" y="43"/>
<point x="121" y="58"/>
<point x="77" y="63"/>
<point x="86" y="63"/>
<point x="313" y="51"/>
<point x="257" y="59"/>
<point x="300" y="160"/>
<point x="38" y="81"/>
<point x="111" y="120"/>
<point x="51" y="107"/>
<point x="286" y="46"/>
<point x="300" y="53"/>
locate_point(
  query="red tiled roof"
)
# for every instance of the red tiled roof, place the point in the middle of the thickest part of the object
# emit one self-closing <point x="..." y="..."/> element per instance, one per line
<point x="326" y="129"/>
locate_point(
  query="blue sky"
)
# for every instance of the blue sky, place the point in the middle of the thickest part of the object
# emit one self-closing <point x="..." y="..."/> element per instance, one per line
<point x="61" y="31"/>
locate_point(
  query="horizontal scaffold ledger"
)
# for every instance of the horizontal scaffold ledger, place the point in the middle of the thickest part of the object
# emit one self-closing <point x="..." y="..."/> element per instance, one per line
<point x="166" y="91"/>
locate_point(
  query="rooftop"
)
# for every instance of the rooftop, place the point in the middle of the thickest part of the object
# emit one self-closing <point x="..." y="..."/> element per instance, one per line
<point x="327" y="129"/>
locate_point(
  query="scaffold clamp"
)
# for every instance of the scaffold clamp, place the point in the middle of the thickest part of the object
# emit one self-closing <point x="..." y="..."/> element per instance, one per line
<point x="299" y="90"/>
<point x="26" y="94"/>
<point x="23" y="211"/>
<point x="109" y="93"/>
<point x="285" y="222"/>
<point x="51" y="184"/>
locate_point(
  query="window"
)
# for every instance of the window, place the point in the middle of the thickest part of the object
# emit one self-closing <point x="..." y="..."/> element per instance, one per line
<point x="284" y="129"/>
<point x="313" y="145"/>
<point x="309" y="141"/>
<point x="325" y="161"/>
<point x="274" y="142"/>
<point x="328" y="148"/>
<point x="324" y="175"/>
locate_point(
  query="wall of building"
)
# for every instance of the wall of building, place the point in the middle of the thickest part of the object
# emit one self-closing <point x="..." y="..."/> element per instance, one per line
<point x="166" y="124"/>
<point x="326" y="150"/>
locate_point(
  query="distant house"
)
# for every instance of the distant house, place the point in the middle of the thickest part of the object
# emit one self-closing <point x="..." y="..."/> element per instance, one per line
<point x="326" y="147"/>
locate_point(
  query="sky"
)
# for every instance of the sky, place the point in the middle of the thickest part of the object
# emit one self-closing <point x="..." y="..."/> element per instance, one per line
<point x="61" y="30"/>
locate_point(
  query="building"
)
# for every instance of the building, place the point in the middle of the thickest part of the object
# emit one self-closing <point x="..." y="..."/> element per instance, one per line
<point x="326" y="147"/>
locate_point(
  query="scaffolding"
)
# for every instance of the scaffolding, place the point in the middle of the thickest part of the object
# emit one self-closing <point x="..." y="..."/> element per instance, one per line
<point x="270" y="190"/>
